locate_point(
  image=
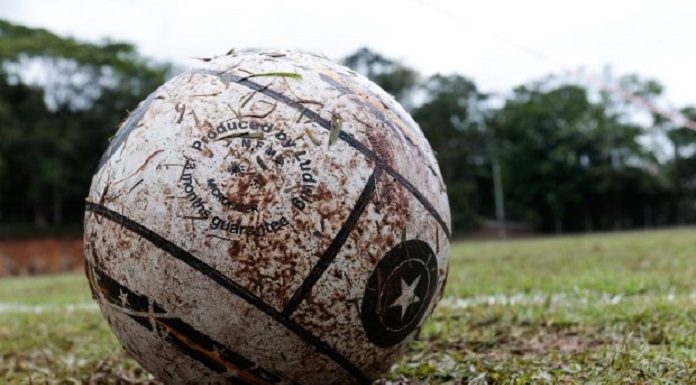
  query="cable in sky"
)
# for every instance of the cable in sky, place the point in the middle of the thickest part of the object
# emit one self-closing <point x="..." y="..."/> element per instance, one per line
<point x="675" y="117"/>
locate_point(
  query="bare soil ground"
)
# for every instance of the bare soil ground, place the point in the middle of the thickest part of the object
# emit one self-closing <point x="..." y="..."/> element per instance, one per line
<point x="40" y="256"/>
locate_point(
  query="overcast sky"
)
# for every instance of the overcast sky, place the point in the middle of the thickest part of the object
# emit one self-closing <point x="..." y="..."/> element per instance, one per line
<point x="497" y="43"/>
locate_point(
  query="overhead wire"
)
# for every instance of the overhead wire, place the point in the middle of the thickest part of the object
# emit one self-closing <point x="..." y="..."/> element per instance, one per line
<point x="592" y="81"/>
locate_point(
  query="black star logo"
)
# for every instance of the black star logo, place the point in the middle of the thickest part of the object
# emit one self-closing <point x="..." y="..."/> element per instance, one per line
<point x="399" y="292"/>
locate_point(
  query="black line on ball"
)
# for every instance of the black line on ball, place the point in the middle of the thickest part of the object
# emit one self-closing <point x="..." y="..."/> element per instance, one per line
<point x="345" y="90"/>
<point x="129" y="125"/>
<point x="332" y="251"/>
<point x="346" y="137"/>
<point x="231" y="286"/>
<point x="108" y="286"/>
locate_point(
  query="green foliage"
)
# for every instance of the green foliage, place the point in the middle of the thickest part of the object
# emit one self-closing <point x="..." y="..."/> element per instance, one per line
<point x="680" y="169"/>
<point x="52" y="134"/>
<point x="571" y="164"/>
<point x="21" y="42"/>
<point x="391" y="75"/>
<point x="570" y="161"/>
<point x="459" y="142"/>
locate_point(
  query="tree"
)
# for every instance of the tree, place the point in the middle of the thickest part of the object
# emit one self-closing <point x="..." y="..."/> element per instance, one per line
<point x="392" y="76"/>
<point x="51" y="126"/>
<point x="572" y="164"/>
<point x="460" y="144"/>
<point x="681" y="169"/>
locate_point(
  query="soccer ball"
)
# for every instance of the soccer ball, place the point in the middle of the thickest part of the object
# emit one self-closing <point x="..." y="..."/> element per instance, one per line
<point x="270" y="218"/>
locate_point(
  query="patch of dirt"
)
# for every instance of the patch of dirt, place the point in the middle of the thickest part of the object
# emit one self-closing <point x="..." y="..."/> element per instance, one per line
<point x="527" y="341"/>
<point x="562" y="343"/>
<point x="40" y="256"/>
<point x="41" y="366"/>
<point x="538" y="344"/>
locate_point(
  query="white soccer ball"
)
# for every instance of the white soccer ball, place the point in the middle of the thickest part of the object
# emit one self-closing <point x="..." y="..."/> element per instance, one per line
<point x="271" y="218"/>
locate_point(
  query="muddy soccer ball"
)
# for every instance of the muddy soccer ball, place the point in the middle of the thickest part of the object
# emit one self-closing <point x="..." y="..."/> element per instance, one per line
<point x="271" y="218"/>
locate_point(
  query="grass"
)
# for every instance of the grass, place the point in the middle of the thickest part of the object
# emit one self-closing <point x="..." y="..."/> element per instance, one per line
<point x="53" y="290"/>
<point x="603" y="309"/>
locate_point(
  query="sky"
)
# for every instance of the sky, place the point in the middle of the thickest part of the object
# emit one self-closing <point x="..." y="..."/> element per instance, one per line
<point x="499" y="44"/>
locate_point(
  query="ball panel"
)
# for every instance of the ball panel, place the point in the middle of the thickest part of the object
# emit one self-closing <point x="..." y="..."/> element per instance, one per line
<point x="360" y="103"/>
<point x="333" y="310"/>
<point x="154" y="336"/>
<point x="271" y="267"/>
<point x="191" y="297"/>
<point x="158" y="357"/>
<point x="390" y="131"/>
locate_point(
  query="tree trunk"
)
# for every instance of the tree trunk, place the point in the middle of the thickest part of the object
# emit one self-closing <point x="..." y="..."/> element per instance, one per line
<point x="35" y="198"/>
<point x="39" y="216"/>
<point x="678" y="195"/>
<point x="57" y="206"/>
<point x="588" y="220"/>
<point x="499" y="198"/>
<point x="558" y="221"/>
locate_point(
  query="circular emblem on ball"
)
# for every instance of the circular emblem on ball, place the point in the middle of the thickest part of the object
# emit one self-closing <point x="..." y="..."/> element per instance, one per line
<point x="399" y="292"/>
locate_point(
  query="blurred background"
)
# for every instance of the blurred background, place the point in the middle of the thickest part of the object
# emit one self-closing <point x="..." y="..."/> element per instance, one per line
<point x="548" y="118"/>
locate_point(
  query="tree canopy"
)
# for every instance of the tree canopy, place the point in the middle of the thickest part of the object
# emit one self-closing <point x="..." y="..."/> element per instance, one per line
<point x="53" y="129"/>
<point x="572" y="158"/>
<point x="561" y="156"/>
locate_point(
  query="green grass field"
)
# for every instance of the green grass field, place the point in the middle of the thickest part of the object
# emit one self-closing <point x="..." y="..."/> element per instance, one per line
<point x="604" y="309"/>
